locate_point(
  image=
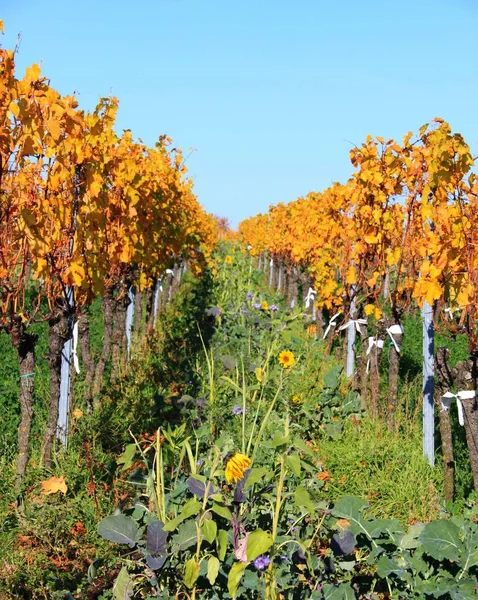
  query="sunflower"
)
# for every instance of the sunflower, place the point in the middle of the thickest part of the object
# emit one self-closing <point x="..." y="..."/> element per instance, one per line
<point x="236" y="466"/>
<point x="228" y="260"/>
<point x="286" y="359"/>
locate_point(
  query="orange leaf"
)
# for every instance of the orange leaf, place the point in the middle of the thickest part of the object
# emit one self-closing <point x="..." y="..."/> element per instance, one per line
<point x="54" y="485"/>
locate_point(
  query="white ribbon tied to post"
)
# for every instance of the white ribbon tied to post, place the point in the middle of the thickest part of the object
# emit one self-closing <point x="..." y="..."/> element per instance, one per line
<point x="449" y="312"/>
<point x="76" y="362"/>
<point x="311" y="294"/>
<point x="395" y="330"/>
<point x="371" y="343"/>
<point x="459" y="396"/>
<point x="331" y="323"/>
<point x="354" y="323"/>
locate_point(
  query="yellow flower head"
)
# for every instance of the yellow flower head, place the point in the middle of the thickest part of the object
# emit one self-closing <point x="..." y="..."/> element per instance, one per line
<point x="77" y="413"/>
<point x="286" y="359"/>
<point x="228" y="260"/>
<point x="236" y="466"/>
<point x="265" y="305"/>
<point x="259" y="374"/>
<point x="297" y="400"/>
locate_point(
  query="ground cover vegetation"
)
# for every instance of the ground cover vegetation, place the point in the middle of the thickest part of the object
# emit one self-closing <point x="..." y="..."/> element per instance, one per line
<point x="216" y="444"/>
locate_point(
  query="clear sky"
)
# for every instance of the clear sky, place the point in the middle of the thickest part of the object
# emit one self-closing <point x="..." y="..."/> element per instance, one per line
<point x="270" y="94"/>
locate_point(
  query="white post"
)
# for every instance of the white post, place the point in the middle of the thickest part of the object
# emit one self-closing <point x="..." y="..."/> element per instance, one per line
<point x="65" y="377"/>
<point x="428" y="384"/>
<point x="350" y="342"/>
<point x="157" y="296"/>
<point x="129" y="319"/>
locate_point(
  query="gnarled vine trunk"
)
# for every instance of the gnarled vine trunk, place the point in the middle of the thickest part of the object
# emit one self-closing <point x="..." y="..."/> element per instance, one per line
<point x="24" y="344"/>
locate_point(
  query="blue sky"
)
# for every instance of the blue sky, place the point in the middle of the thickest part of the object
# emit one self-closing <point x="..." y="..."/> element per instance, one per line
<point x="271" y="95"/>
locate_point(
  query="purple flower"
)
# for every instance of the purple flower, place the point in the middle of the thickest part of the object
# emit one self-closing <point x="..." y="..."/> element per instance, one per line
<point x="273" y="308"/>
<point x="262" y="562"/>
<point x="237" y="410"/>
<point x="256" y="306"/>
<point x="249" y="296"/>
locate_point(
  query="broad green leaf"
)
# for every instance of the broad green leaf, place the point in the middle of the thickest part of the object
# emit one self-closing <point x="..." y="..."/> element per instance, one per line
<point x="209" y="530"/>
<point x="377" y="527"/>
<point x="191" y="507"/>
<point x="293" y="461"/>
<point x="187" y="535"/>
<point x="191" y="573"/>
<point x="212" y="569"/>
<point x="302" y="499"/>
<point x="349" y="507"/>
<point x="234" y="577"/>
<point x="258" y="542"/>
<point x="221" y="542"/>
<point x="121" y="586"/>
<point x="126" y="459"/>
<point x="343" y="591"/>
<point x="470" y="556"/>
<point x="331" y="378"/>
<point x="221" y="510"/>
<point x="302" y="446"/>
<point x="256" y="474"/>
<point x="120" y="529"/>
<point x="386" y="566"/>
<point x="410" y="539"/>
<point x="441" y="539"/>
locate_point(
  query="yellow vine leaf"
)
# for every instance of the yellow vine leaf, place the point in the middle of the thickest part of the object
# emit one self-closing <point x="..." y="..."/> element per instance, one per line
<point x="351" y="276"/>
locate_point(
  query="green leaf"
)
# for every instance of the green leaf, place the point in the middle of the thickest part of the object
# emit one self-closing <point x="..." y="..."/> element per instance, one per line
<point x="386" y="566"/>
<point x="191" y="507"/>
<point x="377" y="527"/>
<point x="441" y="539"/>
<point x="470" y="557"/>
<point x="221" y="510"/>
<point x="126" y="459"/>
<point x="293" y="461"/>
<point x="221" y="543"/>
<point x="302" y="446"/>
<point x="234" y="577"/>
<point x="120" y="529"/>
<point x="349" y="507"/>
<point x="410" y="540"/>
<point x="343" y="591"/>
<point x="121" y="585"/>
<point x="256" y="474"/>
<point x="191" y="573"/>
<point x="187" y="535"/>
<point x="209" y="530"/>
<point x="331" y="378"/>
<point x="258" y="542"/>
<point x="302" y="499"/>
<point x="212" y="569"/>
